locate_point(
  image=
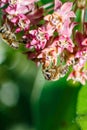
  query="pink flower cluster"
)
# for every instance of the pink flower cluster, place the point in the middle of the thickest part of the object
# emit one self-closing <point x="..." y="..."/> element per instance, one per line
<point x="44" y="39"/>
<point x="21" y="13"/>
<point x="79" y="72"/>
<point x="48" y="37"/>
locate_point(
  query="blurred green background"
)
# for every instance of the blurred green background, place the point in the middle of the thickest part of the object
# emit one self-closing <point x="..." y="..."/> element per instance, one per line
<point x="29" y="102"/>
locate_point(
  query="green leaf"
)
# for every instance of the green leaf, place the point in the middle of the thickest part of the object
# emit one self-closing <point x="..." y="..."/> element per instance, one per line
<point x="82" y="108"/>
<point x="56" y="105"/>
<point x="46" y="1"/>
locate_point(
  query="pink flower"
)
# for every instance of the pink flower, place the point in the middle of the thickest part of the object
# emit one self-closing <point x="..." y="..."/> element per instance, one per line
<point x="16" y="9"/>
<point x="38" y="38"/>
<point x="65" y="43"/>
<point x="54" y="20"/>
<point x="79" y="72"/>
<point x="78" y="76"/>
<point x="49" y="56"/>
<point x="67" y="28"/>
<point x="20" y="7"/>
<point x="60" y="15"/>
<point x="57" y="4"/>
<point x="23" y="23"/>
<point x="3" y="3"/>
<point x="25" y="2"/>
<point x="65" y="10"/>
<point x="82" y="47"/>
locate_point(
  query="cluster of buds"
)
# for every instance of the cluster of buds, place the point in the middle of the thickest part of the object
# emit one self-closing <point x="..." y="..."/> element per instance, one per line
<point x="48" y="36"/>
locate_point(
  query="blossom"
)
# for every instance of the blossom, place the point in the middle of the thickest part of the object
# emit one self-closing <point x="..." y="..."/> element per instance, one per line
<point x="78" y="76"/>
<point x="81" y="54"/>
<point x="55" y="20"/>
<point x="16" y="9"/>
<point x="65" y="43"/>
<point x="67" y="28"/>
<point x="21" y="2"/>
<point x="38" y="38"/>
<point x="49" y="56"/>
<point x="79" y="72"/>
<point x="23" y="23"/>
<point x="20" y="7"/>
<point x="61" y="14"/>
<point x="3" y="3"/>
<point x="57" y="4"/>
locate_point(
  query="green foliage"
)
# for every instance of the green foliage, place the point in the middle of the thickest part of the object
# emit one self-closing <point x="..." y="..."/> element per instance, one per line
<point x="82" y="108"/>
<point x="46" y="1"/>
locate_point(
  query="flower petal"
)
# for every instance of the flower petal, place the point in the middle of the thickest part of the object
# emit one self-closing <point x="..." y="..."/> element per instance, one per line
<point x="57" y="4"/>
<point x="66" y="7"/>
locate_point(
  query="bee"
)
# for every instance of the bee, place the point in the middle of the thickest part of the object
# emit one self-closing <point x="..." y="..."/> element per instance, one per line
<point x="55" y="72"/>
<point x="8" y="36"/>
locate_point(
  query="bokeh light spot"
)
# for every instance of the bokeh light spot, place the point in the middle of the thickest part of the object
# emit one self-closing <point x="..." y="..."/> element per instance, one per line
<point x="21" y="127"/>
